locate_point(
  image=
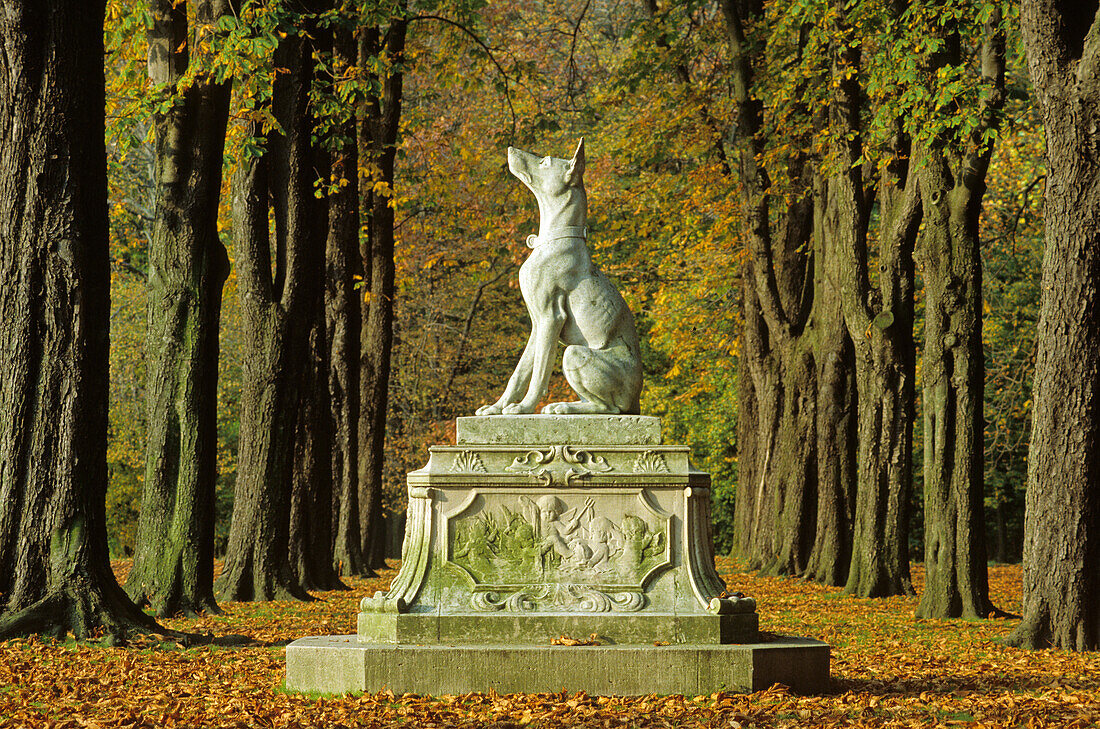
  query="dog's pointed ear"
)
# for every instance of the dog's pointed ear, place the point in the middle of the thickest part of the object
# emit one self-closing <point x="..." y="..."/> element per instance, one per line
<point x="576" y="165"/>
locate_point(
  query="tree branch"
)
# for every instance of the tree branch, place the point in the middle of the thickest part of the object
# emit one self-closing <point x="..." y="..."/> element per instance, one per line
<point x="573" y="50"/>
<point x="993" y="77"/>
<point x="467" y="325"/>
<point x="488" y="51"/>
<point x="754" y="178"/>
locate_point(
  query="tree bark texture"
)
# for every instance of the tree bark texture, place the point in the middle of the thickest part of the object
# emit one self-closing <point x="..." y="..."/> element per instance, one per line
<point x="343" y="321"/>
<point x="879" y="320"/>
<point x="277" y="312"/>
<point x="794" y="439"/>
<point x="380" y="122"/>
<point x="174" y="558"/>
<point x="55" y="307"/>
<point x="1062" y="516"/>
<point x="836" y="419"/>
<point x="953" y="366"/>
<point x="311" y="557"/>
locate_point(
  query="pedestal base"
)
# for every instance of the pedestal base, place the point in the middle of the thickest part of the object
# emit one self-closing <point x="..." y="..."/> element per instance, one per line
<point x="540" y="628"/>
<point x="341" y="664"/>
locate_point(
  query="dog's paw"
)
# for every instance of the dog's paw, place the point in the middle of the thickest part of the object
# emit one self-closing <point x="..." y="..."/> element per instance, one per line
<point x="517" y="408"/>
<point x="556" y="408"/>
<point x="493" y="409"/>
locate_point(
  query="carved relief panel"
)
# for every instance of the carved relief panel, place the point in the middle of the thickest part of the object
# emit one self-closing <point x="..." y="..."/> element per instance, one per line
<point x="566" y="550"/>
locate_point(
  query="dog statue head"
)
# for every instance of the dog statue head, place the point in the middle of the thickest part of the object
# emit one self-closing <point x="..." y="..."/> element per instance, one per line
<point x="558" y="185"/>
<point x="547" y="175"/>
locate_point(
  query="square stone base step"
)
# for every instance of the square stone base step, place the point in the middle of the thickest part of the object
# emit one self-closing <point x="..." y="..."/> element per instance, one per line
<point x="338" y="664"/>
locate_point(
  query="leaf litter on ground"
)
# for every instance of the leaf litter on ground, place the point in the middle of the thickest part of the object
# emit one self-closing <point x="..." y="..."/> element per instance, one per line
<point x="889" y="670"/>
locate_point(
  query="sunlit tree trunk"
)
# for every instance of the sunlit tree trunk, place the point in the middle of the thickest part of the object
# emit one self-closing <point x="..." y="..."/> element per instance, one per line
<point x="788" y="339"/>
<point x="55" y="575"/>
<point x="953" y="364"/>
<point x="174" y="558"/>
<point x="835" y="428"/>
<point x="1062" y="517"/>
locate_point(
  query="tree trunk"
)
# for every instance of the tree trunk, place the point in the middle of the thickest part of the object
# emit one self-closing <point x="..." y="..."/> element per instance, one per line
<point x="831" y="555"/>
<point x="311" y="558"/>
<point x="343" y="322"/>
<point x="777" y="439"/>
<point x="751" y="438"/>
<point x="380" y="127"/>
<point x="277" y="309"/>
<point x="783" y="498"/>
<point x="1062" y="516"/>
<point x="884" y="383"/>
<point x="879" y="320"/>
<point x="174" y="559"/>
<point x="55" y="307"/>
<point x="953" y="368"/>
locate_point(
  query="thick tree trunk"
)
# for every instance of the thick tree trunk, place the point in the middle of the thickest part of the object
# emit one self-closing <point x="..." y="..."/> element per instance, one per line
<point x="1062" y="517"/>
<point x="777" y="465"/>
<point x="953" y="370"/>
<point x="174" y="560"/>
<point x="311" y="558"/>
<point x="885" y="375"/>
<point x="278" y="309"/>
<point x="836" y="421"/>
<point x="343" y="322"/>
<point x="751" y="438"/>
<point x="55" y="307"/>
<point x="884" y="383"/>
<point x="953" y="367"/>
<point x="781" y="501"/>
<point x="880" y="324"/>
<point x="380" y="126"/>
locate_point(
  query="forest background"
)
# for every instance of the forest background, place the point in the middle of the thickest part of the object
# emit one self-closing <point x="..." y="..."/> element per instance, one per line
<point x="643" y="83"/>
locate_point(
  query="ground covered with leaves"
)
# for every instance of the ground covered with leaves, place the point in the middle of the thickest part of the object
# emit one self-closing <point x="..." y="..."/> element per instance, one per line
<point x="889" y="669"/>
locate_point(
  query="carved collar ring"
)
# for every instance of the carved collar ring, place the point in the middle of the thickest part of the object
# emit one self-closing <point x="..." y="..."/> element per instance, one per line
<point x="567" y="231"/>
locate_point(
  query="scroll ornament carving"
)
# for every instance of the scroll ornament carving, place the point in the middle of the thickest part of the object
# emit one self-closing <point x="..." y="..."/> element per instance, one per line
<point x="580" y="464"/>
<point x="574" y="598"/>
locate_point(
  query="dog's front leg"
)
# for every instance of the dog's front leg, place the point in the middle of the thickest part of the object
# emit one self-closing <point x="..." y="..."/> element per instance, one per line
<point x="545" y="337"/>
<point x="517" y="383"/>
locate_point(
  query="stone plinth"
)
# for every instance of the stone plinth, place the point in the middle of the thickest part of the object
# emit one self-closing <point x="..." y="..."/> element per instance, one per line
<point x="341" y="664"/>
<point x="535" y="527"/>
<point x="576" y="430"/>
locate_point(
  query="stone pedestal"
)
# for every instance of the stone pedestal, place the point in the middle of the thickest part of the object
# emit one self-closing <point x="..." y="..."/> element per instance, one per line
<point x="534" y="527"/>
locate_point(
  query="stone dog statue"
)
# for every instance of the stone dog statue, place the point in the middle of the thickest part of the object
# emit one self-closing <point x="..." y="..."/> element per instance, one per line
<point x="569" y="300"/>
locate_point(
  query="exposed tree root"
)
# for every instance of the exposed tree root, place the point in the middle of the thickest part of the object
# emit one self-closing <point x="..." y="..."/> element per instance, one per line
<point x="86" y="611"/>
<point x="246" y="585"/>
<point x="172" y="606"/>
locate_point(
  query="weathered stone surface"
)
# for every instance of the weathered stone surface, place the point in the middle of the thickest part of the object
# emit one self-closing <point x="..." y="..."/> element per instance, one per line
<point x="341" y="664"/>
<point x="540" y="628"/>
<point x="574" y="430"/>
<point x="509" y="545"/>
<point x="523" y="542"/>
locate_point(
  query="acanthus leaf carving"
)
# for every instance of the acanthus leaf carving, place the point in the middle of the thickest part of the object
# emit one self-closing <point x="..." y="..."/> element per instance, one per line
<point x="650" y="462"/>
<point x="468" y="462"/>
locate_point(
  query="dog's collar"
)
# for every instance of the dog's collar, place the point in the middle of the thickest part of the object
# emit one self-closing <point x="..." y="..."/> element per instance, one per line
<point x="566" y="231"/>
